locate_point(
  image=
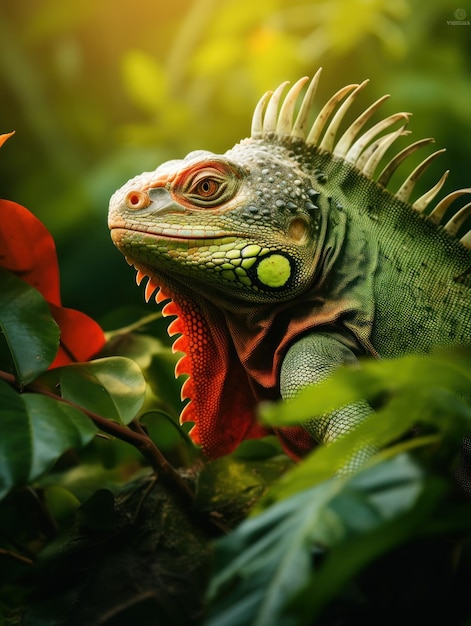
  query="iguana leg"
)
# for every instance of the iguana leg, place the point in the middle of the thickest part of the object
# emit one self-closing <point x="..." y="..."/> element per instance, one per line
<point x="311" y="360"/>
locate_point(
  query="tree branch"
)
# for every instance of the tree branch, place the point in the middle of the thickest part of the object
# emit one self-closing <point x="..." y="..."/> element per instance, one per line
<point x="137" y="438"/>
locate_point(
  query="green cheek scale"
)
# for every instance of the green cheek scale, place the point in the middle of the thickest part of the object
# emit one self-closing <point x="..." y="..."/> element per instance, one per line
<point x="274" y="270"/>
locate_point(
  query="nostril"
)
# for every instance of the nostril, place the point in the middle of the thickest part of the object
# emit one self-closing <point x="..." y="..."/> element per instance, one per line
<point x="137" y="200"/>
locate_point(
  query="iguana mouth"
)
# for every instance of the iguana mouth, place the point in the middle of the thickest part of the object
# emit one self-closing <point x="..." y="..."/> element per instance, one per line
<point x="199" y="236"/>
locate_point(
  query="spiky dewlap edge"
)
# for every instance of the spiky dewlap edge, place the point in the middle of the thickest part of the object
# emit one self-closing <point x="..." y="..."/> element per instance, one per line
<point x="274" y="117"/>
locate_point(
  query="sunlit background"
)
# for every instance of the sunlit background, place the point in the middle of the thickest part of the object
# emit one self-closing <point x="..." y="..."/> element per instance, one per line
<point x="99" y="90"/>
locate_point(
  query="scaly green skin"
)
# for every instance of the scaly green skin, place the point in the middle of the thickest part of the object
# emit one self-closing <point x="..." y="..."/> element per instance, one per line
<point x="279" y="230"/>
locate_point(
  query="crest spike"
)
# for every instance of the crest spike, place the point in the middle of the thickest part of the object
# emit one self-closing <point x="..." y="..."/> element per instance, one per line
<point x="408" y="185"/>
<point x="183" y="366"/>
<point x="257" y="119"/>
<point x="421" y="203"/>
<point x="369" y="159"/>
<point x="271" y="113"/>
<point x="285" y="118"/>
<point x="180" y="344"/>
<point x="391" y="167"/>
<point x="175" y="327"/>
<point x="160" y="296"/>
<point x="346" y="140"/>
<point x="466" y="240"/>
<point x="189" y="415"/>
<point x="300" y="125"/>
<point x="275" y="117"/>
<point x="328" y="141"/>
<point x="140" y="275"/>
<point x="439" y="211"/>
<point x="355" y="151"/>
<point x="187" y="389"/>
<point x="149" y="290"/>
<point x="327" y="109"/>
<point x="453" y="225"/>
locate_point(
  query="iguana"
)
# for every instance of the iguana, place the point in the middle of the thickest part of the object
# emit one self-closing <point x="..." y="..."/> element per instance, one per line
<point x="288" y="256"/>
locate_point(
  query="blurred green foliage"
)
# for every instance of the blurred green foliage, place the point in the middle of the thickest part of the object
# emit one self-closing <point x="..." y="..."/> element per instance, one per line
<point x="100" y="91"/>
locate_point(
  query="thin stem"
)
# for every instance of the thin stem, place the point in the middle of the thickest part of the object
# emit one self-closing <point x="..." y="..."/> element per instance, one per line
<point x="16" y="557"/>
<point x="139" y="325"/>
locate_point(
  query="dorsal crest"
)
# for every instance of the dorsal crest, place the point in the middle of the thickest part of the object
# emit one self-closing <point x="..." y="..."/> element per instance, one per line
<point x="363" y="149"/>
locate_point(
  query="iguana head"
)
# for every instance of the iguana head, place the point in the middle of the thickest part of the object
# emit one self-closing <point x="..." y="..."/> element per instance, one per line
<point x="241" y="243"/>
<point x="244" y="224"/>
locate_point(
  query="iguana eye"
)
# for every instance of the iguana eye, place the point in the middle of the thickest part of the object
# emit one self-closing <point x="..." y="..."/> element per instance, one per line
<point x="206" y="186"/>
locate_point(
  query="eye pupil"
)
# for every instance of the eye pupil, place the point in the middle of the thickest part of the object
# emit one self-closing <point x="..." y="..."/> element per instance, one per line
<point x="207" y="187"/>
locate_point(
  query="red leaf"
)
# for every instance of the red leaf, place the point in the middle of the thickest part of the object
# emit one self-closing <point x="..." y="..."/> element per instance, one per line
<point x="4" y="137"/>
<point x="81" y="337"/>
<point x="27" y="249"/>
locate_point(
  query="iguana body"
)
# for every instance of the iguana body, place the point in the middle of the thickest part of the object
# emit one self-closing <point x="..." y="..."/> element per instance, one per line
<point x="284" y="258"/>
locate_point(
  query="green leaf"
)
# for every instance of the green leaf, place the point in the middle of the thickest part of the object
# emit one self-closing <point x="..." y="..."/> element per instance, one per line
<point x="61" y="503"/>
<point x="31" y="333"/>
<point x="374" y="381"/>
<point x="34" y="431"/>
<point x="262" y="566"/>
<point x="165" y="430"/>
<point x="441" y="411"/>
<point x="154" y="358"/>
<point x="429" y="392"/>
<point x="113" y="387"/>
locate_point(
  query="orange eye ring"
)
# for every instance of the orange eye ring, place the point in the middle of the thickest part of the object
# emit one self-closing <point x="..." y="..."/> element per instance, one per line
<point x="206" y="184"/>
<point x="136" y="200"/>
